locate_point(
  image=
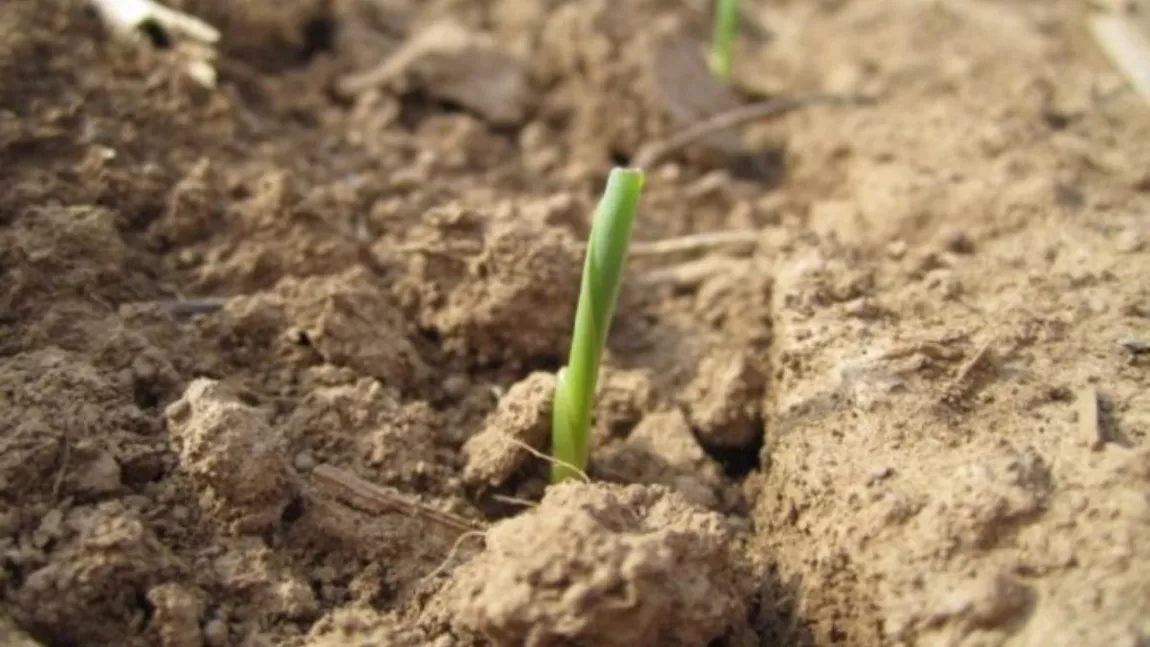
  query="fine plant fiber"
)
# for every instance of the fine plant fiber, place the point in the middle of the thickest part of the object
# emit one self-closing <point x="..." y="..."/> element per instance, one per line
<point x="723" y="38"/>
<point x="577" y="382"/>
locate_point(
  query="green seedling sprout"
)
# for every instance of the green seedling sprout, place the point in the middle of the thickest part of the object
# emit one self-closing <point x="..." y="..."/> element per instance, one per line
<point x="723" y="39"/>
<point x="576" y="383"/>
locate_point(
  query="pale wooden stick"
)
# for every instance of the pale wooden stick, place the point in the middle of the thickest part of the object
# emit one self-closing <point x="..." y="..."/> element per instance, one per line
<point x="962" y="383"/>
<point x="514" y="500"/>
<point x="688" y="243"/>
<point x="690" y="273"/>
<point x="1089" y="419"/>
<point x="694" y="242"/>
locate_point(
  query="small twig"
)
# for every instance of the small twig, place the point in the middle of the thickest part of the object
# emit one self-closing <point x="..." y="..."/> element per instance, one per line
<point x="353" y="84"/>
<point x="446" y="37"/>
<point x="437" y="250"/>
<point x="342" y="485"/>
<point x="936" y="350"/>
<point x="191" y="307"/>
<point x="1135" y="346"/>
<point x="1089" y="418"/>
<point x="695" y="242"/>
<point x="61" y="474"/>
<point x="655" y="152"/>
<point x="691" y="273"/>
<point x="688" y="243"/>
<point x="963" y="383"/>
<point x="514" y="500"/>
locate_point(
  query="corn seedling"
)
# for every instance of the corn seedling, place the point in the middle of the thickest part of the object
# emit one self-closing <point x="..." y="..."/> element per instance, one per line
<point x="576" y="383"/>
<point x="723" y="38"/>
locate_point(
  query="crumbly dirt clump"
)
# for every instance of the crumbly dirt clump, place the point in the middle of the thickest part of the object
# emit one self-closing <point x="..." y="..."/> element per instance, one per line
<point x="88" y="587"/>
<point x="233" y="457"/>
<point x="38" y="429"/>
<point x="348" y="320"/>
<point x="363" y="628"/>
<point x="523" y="415"/>
<point x="604" y="565"/>
<point x="724" y="400"/>
<point x="480" y="280"/>
<point x="661" y="449"/>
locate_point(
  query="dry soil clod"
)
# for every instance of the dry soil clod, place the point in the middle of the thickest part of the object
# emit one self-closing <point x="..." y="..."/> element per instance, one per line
<point x="724" y="400"/>
<point x="486" y="305"/>
<point x="523" y="414"/>
<point x="662" y="450"/>
<point x="11" y="635"/>
<point x="362" y="627"/>
<point x="233" y="456"/>
<point x="603" y="565"/>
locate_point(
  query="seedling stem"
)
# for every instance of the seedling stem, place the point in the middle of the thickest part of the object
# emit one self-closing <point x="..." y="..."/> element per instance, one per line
<point x="723" y="39"/>
<point x="576" y="383"/>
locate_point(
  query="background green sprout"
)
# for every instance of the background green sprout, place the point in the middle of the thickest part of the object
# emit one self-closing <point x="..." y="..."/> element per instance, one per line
<point x="723" y="39"/>
<point x="602" y="270"/>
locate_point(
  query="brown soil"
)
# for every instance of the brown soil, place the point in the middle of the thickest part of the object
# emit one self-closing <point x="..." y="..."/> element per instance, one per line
<point x="911" y="409"/>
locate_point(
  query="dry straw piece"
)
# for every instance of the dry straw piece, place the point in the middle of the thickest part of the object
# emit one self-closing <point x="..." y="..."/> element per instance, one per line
<point x="1127" y="46"/>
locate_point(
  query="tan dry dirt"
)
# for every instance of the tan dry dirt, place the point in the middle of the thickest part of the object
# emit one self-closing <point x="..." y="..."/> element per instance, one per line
<point x="910" y="408"/>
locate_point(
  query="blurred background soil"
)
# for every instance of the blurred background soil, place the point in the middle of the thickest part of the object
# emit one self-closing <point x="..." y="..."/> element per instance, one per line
<point x="906" y="403"/>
